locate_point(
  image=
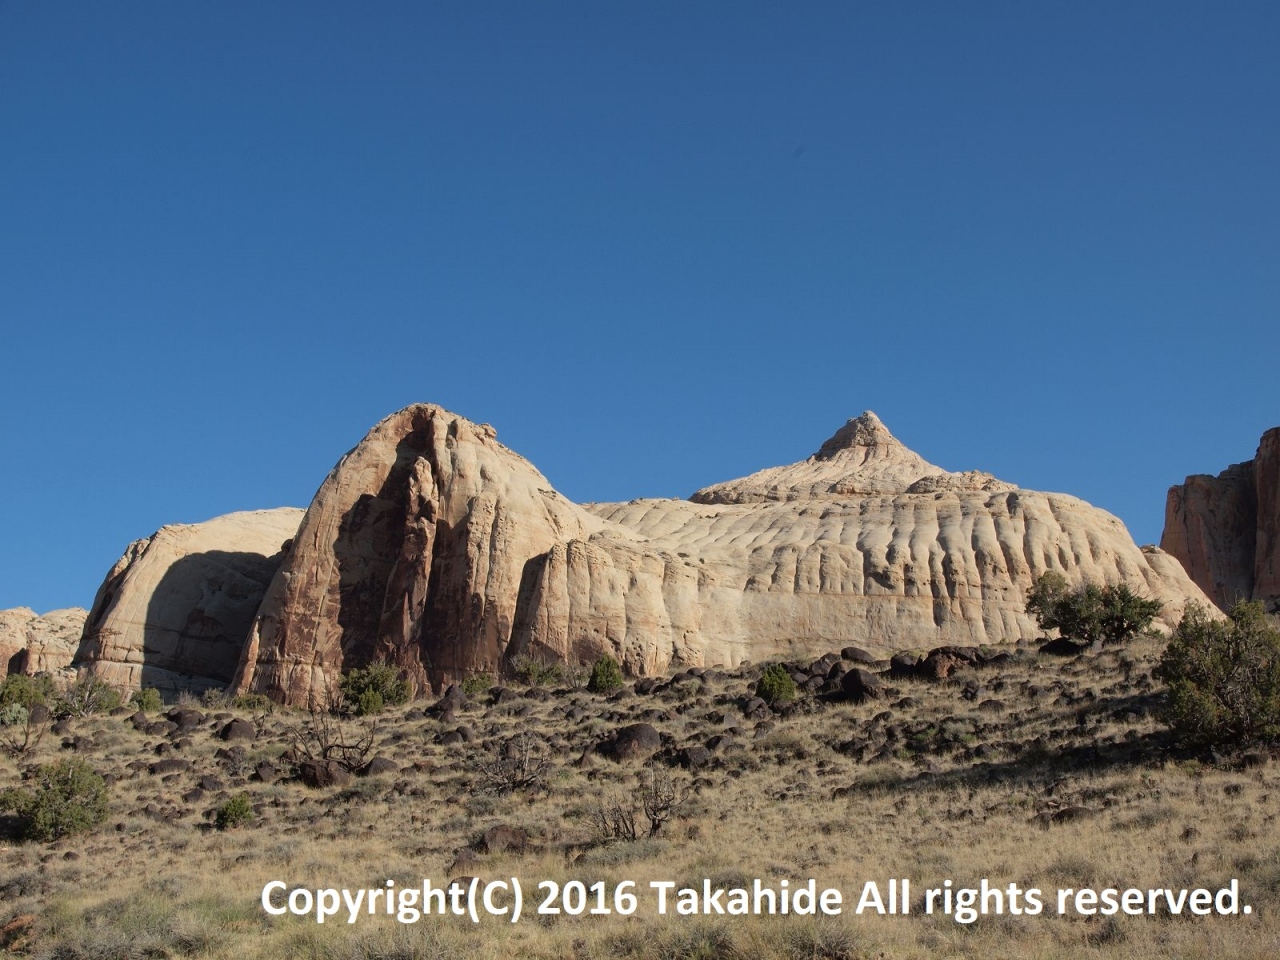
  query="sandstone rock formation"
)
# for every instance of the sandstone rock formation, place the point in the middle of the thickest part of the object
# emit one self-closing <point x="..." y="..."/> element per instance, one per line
<point x="1225" y="530"/>
<point x="417" y="549"/>
<point x="31" y="644"/>
<point x="435" y="547"/>
<point x="174" y="610"/>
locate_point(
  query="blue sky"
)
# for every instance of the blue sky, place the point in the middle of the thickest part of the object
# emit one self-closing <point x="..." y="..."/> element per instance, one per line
<point x="657" y="245"/>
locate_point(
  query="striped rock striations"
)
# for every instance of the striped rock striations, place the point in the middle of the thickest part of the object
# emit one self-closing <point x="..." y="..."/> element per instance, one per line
<point x="174" y="610"/>
<point x="1225" y="530"/>
<point x="435" y="547"/>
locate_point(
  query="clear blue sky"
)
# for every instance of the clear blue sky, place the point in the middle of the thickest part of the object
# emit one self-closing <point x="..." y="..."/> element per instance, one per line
<point x="657" y="245"/>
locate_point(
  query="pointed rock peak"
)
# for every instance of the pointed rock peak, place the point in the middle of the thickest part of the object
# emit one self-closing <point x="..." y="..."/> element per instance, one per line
<point x="863" y="431"/>
<point x="862" y="459"/>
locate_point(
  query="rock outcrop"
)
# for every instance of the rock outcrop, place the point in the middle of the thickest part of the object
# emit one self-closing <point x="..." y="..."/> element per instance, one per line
<point x="31" y="644"/>
<point x="416" y="549"/>
<point x="435" y="547"/>
<point x="174" y="611"/>
<point x="1225" y="530"/>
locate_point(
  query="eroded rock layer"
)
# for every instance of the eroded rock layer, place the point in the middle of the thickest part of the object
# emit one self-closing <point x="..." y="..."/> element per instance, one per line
<point x="434" y="546"/>
<point x="1225" y="530"/>
<point x="174" y="611"/>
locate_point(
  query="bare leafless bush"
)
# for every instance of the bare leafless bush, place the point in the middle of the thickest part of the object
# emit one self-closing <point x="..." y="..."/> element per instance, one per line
<point x="661" y="797"/>
<point x="19" y="738"/>
<point x="614" y="818"/>
<point x="519" y="763"/>
<point x="323" y="736"/>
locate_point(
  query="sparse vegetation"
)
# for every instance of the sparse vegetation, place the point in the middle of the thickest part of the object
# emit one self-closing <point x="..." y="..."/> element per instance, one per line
<point x="254" y="703"/>
<point x="1111" y="614"/>
<point x="69" y="797"/>
<point x="776" y="685"/>
<point x="606" y="676"/>
<point x="215" y="698"/>
<point x="533" y="672"/>
<point x="1031" y="768"/>
<point x="1224" y="677"/>
<point x="147" y="700"/>
<point x="476" y="684"/>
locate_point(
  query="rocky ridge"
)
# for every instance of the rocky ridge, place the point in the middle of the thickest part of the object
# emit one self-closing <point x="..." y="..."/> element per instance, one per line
<point x="434" y="546"/>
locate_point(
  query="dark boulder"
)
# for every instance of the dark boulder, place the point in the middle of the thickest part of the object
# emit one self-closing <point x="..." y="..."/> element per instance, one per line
<point x="638" y="741"/>
<point x="378" y="765"/>
<point x="904" y="664"/>
<point x="237" y="730"/>
<point x="185" y="718"/>
<point x="1062" y="647"/>
<point x="859" y="685"/>
<point x="693" y="757"/>
<point x="857" y="655"/>
<point x="169" y="765"/>
<point x="323" y="773"/>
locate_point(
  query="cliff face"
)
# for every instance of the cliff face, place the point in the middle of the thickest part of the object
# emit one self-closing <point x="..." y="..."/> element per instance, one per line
<point x="174" y="610"/>
<point x="1225" y="530"/>
<point x="432" y="545"/>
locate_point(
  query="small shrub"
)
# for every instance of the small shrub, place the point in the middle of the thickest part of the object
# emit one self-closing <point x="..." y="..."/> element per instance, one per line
<point x="476" y="684"/>
<point x="367" y="690"/>
<point x="1224" y="677"/>
<point x="776" y="686"/>
<point x="606" y="676"/>
<point x="533" y="672"/>
<point x="254" y="703"/>
<point x="148" y="700"/>
<point x="187" y="699"/>
<point x="370" y="702"/>
<point x="236" y="812"/>
<point x="68" y="798"/>
<point x="27" y="691"/>
<point x="215" y="698"/>
<point x="86" y="696"/>
<point x="14" y="715"/>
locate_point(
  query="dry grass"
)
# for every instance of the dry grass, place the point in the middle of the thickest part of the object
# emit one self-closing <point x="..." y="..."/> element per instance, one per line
<point x="1070" y="783"/>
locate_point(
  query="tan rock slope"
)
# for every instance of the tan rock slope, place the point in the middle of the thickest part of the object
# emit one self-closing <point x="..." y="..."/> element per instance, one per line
<point x="434" y="546"/>
<point x="1225" y="530"/>
<point x="174" y="610"/>
<point x="31" y="644"/>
